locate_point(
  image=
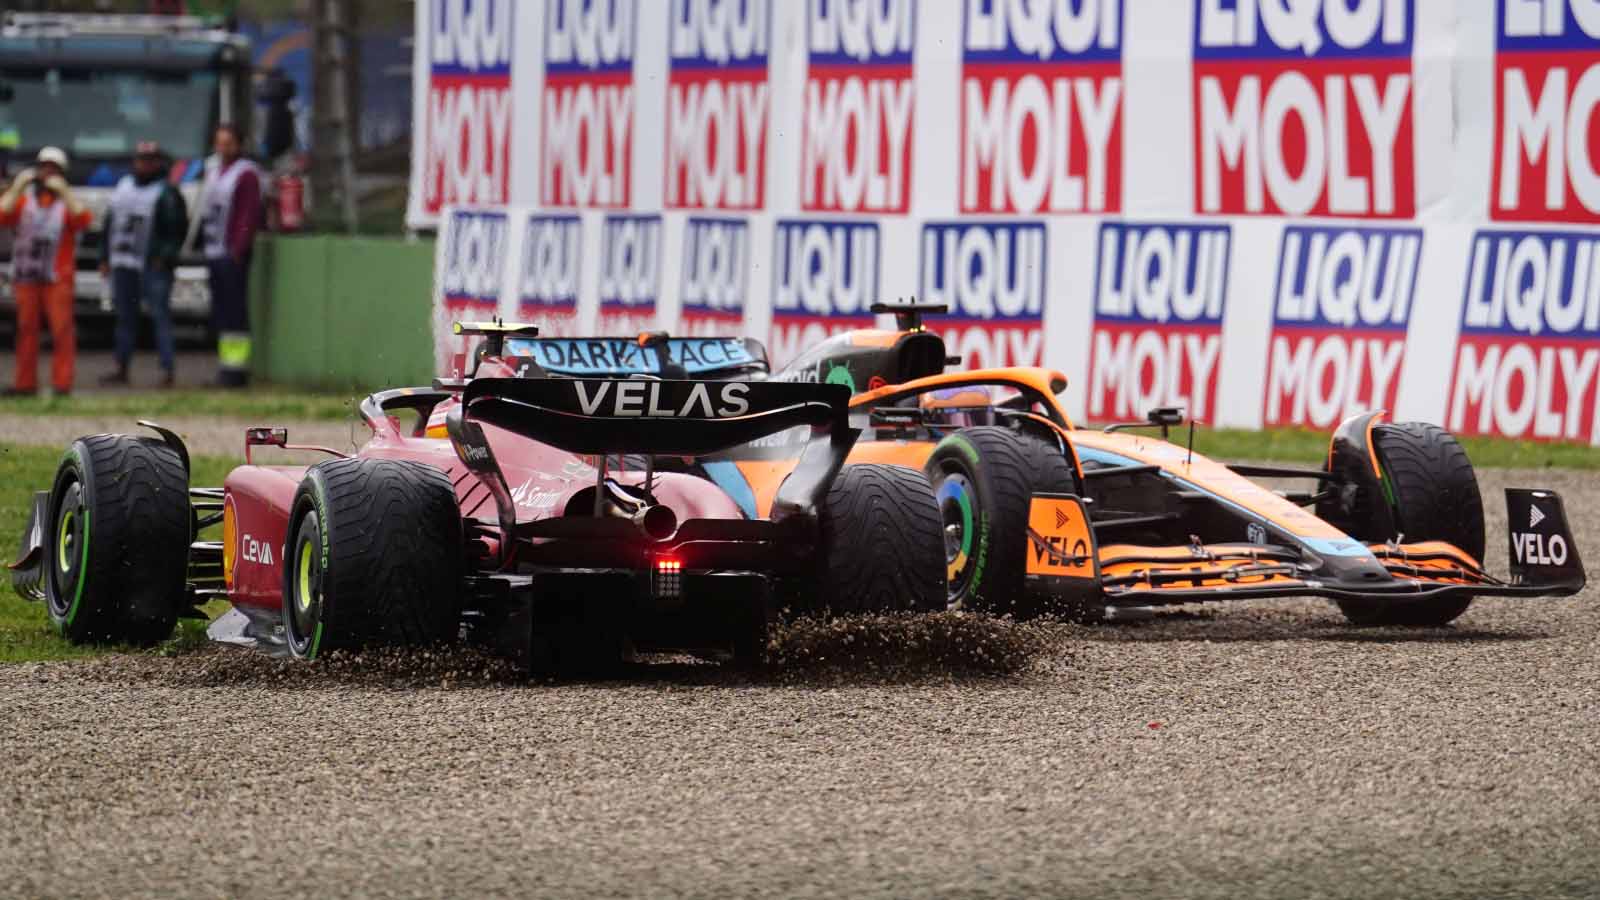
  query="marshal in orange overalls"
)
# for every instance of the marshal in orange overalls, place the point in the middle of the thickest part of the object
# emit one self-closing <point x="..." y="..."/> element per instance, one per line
<point x="45" y="290"/>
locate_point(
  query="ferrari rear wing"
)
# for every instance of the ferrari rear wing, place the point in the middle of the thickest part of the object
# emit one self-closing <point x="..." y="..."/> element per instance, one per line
<point x="676" y="418"/>
<point x="657" y="418"/>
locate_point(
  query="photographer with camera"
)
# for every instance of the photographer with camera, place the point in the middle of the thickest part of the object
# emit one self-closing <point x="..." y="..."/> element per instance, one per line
<point x="40" y="206"/>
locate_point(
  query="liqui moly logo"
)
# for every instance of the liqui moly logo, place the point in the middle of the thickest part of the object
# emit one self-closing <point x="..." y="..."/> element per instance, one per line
<point x="1530" y="337"/>
<point x="1304" y="107"/>
<point x="716" y="266"/>
<point x="1160" y="294"/>
<point x="1041" y="106"/>
<point x="991" y="275"/>
<point x="1339" y="320"/>
<point x="473" y="263"/>
<point x="825" y="279"/>
<point x="1547" y="87"/>
<point x="470" y="269"/>
<point x="587" y="108"/>
<point x="717" y="103"/>
<point x="547" y="283"/>
<point x="856" y="136"/>
<point x="630" y="273"/>
<point x="467" y="120"/>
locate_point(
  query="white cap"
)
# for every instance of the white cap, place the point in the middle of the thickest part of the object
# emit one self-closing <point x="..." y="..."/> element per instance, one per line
<point x="53" y="155"/>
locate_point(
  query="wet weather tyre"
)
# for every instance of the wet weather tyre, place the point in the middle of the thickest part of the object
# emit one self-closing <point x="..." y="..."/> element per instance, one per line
<point x="1435" y="498"/>
<point x="118" y="540"/>
<point x="880" y="545"/>
<point x="373" y="557"/>
<point x="984" y="479"/>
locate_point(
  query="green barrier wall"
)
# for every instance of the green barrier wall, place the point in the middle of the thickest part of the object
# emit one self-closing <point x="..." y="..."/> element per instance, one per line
<point x="342" y="312"/>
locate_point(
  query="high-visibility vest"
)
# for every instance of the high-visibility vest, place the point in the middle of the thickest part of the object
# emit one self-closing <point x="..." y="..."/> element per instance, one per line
<point x="216" y="204"/>
<point x="133" y="213"/>
<point x="39" y="230"/>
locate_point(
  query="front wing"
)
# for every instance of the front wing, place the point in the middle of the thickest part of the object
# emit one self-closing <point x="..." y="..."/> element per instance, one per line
<point x="1066" y="563"/>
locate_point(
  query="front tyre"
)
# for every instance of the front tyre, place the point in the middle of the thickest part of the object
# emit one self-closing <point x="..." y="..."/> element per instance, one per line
<point x="120" y="526"/>
<point x="1435" y="498"/>
<point x="373" y="556"/>
<point x="985" y="479"/>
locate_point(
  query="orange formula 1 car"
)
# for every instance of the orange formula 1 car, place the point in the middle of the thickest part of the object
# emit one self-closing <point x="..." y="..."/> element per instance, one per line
<point x="1040" y="514"/>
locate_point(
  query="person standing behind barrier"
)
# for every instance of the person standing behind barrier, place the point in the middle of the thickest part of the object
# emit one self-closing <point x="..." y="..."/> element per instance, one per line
<point x="47" y="217"/>
<point x="231" y="215"/>
<point x="145" y="227"/>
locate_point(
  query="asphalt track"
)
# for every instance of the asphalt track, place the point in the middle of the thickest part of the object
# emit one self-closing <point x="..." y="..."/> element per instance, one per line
<point x="1238" y="751"/>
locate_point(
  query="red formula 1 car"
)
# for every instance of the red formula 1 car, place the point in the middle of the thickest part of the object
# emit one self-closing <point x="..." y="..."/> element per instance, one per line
<point x="520" y="508"/>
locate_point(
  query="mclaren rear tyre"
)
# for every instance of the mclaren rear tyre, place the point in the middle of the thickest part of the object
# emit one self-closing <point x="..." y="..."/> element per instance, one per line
<point x="880" y="546"/>
<point x="984" y="479"/>
<point x="118" y="540"/>
<point x="1435" y="498"/>
<point x="373" y="557"/>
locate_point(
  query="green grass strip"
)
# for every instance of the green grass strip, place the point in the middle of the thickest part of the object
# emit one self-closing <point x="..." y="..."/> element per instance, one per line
<point x="255" y="404"/>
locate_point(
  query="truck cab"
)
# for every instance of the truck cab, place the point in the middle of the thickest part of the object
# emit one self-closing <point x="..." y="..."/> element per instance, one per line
<point x="95" y="86"/>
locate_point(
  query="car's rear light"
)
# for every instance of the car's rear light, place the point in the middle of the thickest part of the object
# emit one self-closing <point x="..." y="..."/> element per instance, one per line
<point x="669" y="577"/>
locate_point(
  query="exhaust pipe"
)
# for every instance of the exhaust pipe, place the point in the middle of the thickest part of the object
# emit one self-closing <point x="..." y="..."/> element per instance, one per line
<point x="656" y="520"/>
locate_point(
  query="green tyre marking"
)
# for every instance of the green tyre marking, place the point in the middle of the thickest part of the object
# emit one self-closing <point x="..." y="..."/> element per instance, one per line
<point x="320" y="501"/>
<point x="965" y="446"/>
<point x="1388" y="489"/>
<point x="83" y="559"/>
<point x="83" y="566"/>
<point x="981" y="557"/>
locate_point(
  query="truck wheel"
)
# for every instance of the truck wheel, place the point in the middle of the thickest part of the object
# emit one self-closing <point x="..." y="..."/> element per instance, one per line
<point x="1435" y="497"/>
<point x="118" y="539"/>
<point x="880" y="549"/>
<point x="984" y="478"/>
<point x="374" y="556"/>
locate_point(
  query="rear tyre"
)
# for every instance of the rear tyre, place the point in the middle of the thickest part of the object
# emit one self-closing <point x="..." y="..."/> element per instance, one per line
<point x="374" y="556"/>
<point x="117" y="542"/>
<point x="1435" y="498"/>
<point x="880" y="546"/>
<point x="984" y="479"/>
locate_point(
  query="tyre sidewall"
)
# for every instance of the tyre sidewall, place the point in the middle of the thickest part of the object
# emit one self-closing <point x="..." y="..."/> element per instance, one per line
<point x="958" y="455"/>
<point x="310" y="501"/>
<point x="64" y="596"/>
